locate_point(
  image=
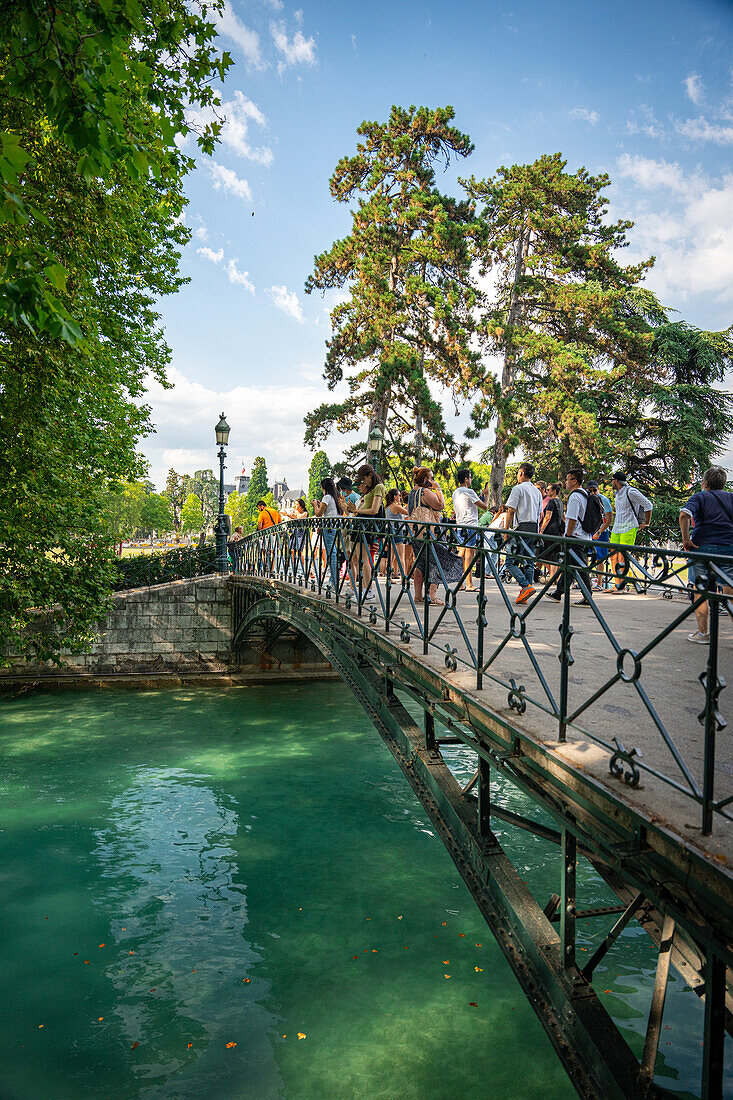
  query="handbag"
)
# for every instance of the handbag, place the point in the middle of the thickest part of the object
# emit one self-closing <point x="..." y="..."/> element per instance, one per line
<point x="422" y="514"/>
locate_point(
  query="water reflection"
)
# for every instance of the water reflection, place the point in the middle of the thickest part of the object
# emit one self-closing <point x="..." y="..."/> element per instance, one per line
<point x="168" y="882"/>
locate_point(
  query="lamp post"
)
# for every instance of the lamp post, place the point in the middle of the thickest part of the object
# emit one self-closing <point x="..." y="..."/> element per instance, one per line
<point x="220" y="528"/>
<point x="374" y="447"/>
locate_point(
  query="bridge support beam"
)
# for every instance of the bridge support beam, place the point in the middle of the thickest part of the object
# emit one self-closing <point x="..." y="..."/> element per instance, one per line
<point x="484" y="797"/>
<point x="569" y="854"/>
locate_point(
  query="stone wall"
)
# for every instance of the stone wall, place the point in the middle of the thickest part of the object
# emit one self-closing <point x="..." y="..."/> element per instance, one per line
<point x="181" y="627"/>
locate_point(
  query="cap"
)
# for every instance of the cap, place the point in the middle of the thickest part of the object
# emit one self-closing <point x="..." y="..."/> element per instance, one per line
<point x="591" y="484"/>
<point x="618" y="475"/>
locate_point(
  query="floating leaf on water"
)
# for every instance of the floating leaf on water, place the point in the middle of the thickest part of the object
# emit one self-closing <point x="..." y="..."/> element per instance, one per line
<point x="406" y="948"/>
<point x="301" y="1035"/>
<point x="135" y="1044"/>
<point x="188" y="1046"/>
<point x="246" y="980"/>
<point x="444" y="923"/>
<point x="445" y="962"/>
<point x="99" y="1019"/>
<point x="606" y="990"/>
<point x="446" y="975"/>
<point x="76" y="953"/>
<point x="374" y="951"/>
<point x="399" y="918"/>
<point x="130" y="952"/>
<point x="86" y="962"/>
<point x="462" y="935"/>
<point x="478" y="944"/>
<point x="230" y="1045"/>
<point x="101" y="945"/>
<point x="472" y="1004"/>
<point x="478" y="969"/>
<point x="42" y="1025"/>
<point x="355" y="956"/>
<point x="124" y="929"/>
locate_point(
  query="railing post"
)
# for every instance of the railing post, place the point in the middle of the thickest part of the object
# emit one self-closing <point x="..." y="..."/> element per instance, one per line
<point x="711" y="716"/>
<point x="566" y="633"/>
<point x="426" y="590"/>
<point x="714" y="1029"/>
<point x="481" y="620"/>
<point x="389" y="540"/>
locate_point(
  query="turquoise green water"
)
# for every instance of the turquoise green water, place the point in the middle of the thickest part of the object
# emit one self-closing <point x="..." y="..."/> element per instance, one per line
<point x="183" y="871"/>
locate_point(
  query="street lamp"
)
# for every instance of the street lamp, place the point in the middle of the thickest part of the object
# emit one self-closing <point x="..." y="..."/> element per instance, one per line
<point x="220" y="528"/>
<point x="374" y="447"/>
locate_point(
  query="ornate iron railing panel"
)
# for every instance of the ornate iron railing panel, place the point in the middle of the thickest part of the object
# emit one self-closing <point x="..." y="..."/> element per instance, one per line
<point x="339" y="559"/>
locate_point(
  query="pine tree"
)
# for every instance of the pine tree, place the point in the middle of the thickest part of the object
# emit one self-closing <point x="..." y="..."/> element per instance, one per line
<point x="175" y="495"/>
<point x="559" y="318"/>
<point x="405" y="265"/>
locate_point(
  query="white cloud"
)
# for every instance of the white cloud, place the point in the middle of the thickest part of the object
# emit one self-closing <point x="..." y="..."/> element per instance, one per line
<point x="692" y="238"/>
<point x="693" y="87"/>
<point x="239" y="278"/>
<point x="699" y="129"/>
<point x="231" y="26"/>
<point x="228" y="181"/>
<point x="648" y="173"/>
<point x="287" y="301"/>
<point x="297" y="50"/>
<point x="265" y="420"/>
<point x="201" y="233"/>
<point x="238" y="112"/>
<point x="584" y="115"/>
<point x="209" y="254"/>
<point x="644" y="121"/>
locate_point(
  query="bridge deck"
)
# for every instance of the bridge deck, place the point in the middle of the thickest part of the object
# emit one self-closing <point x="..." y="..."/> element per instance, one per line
<point x="670" y="679"/>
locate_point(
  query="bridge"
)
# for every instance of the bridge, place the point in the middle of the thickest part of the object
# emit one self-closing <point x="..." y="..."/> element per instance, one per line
<point x="603" y="715"/>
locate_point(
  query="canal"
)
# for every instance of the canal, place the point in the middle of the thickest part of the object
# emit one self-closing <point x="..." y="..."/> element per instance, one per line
<point x="235" y="893"/>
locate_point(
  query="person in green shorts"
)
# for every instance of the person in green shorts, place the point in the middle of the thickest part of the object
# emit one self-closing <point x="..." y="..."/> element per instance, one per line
<point x="633" y="512"/>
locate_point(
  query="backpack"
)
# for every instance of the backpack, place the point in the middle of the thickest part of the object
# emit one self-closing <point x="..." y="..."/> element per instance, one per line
<point x="593" y="517"/>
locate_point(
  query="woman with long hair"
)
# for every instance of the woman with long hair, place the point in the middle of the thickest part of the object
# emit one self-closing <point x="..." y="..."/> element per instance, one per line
<point x="371" y="503"/>
<point x="297" y="538"/>
<point x="329" y="507"/>
<point x="395" y="510"/>
<point x="425" y="505"/>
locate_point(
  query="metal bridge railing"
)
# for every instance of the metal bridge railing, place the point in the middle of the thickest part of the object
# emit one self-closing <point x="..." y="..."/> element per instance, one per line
<point x="332" y="557"/>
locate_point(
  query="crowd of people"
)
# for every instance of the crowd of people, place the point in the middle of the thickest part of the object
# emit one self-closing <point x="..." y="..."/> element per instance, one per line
<point x="604" y="530"/>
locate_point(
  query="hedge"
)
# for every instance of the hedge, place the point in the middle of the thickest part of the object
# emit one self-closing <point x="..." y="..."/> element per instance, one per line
<point x="171" y="565"/>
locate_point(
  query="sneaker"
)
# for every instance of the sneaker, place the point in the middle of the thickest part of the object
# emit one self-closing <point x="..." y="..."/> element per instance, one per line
<point x="556" y="596"/>
<point x="701" y="639"/>
<point x="581" y="603"/>
<point x="525" y="593"/>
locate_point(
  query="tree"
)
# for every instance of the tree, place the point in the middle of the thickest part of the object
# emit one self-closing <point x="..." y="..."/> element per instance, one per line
<point x="192" y="516"/>
<point x="124" y="505"/>
<point x="668" y="424"/>
<point x="560" y="317"/>
<point x="405" y="266"/>
<point x="110" y="84"/>
<point x="90" y="233"/>
<point x="257" y="489"/>
<point x="156" y="515"/>
<point x="174" y="493"/>
<point x="206" y="487"/>
<point x="236" y="507"/>
<point x="319" y="468"/>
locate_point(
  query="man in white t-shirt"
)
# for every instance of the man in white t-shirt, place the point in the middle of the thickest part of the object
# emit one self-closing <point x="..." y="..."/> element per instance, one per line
<point x="467" y="504"/>
<point x="574" y="516"/>
<point x="523" y="512"/>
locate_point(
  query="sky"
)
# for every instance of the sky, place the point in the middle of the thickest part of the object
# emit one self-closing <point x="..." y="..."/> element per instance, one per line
<point x="640" y="89"/>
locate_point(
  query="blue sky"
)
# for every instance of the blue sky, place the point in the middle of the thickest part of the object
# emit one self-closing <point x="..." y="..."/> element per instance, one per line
<point x="642" y="90"/>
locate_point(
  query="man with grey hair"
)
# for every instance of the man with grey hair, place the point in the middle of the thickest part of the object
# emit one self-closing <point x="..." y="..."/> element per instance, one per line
<point x="711" y="510"/>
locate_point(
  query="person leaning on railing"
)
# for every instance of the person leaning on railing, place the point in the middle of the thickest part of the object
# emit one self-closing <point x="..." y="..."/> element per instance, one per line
<point x="711" y="510"/>
<point x="370" y="504"/>
<point x="425" y="505"/>
<point x="329" y="507"/>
